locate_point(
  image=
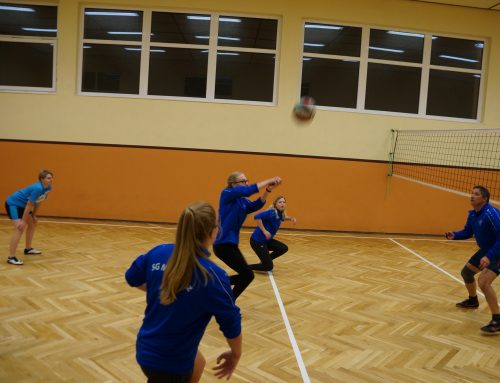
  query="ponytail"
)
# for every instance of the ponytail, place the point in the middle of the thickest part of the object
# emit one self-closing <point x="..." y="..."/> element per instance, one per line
<point x="195" y="226"/>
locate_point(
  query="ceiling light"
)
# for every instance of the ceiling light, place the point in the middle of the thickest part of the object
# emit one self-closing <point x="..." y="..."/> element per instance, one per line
<point x="387" y="50"/>
<point x="106" y="13"/>
<point x="409" y="34"/>
<point x="125" y="33"/>
<point x="229" y="38"/>
<point x="322" y="26"/>
<point x="459" y="58"/>
<point x="39" y="30"/>
<point x="229" y="20"/>
<point x="16" y="9"/>
<point x="313" y="45"/>
<point x="193" y="17"/>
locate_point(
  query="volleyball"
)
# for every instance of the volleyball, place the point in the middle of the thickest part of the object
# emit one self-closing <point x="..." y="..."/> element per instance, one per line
<point x="305" y="109"/>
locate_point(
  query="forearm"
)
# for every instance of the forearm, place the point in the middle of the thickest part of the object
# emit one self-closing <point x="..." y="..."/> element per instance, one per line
<point x="30" y="207"/>
<point x="236" y="345"/>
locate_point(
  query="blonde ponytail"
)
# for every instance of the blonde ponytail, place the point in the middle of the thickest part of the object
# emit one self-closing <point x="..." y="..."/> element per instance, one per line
<point x="195" y="226"/>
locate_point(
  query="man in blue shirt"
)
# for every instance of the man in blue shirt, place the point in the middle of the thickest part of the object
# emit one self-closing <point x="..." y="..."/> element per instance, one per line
<point x="21" y="208"/>
<point x="483" y="223"/>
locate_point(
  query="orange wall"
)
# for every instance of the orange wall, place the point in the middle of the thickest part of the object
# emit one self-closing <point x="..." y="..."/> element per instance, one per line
<point x="148" y="184"/>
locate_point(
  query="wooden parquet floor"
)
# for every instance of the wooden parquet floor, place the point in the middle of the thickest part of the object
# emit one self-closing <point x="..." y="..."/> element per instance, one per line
<point x="360" y="309"/>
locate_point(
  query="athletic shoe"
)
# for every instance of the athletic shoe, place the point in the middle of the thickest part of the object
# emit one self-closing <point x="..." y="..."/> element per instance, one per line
<point x="14" y="261"/>
<point x="493" y="326"/>
<point x="469" y="303"/>
<point x="32" y="251"/>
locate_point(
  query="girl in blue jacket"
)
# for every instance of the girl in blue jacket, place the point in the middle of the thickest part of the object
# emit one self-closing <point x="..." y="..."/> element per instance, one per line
<point x="233" y="210"/>
<point x="184" y="289"/>
<point x="262" y="240"/>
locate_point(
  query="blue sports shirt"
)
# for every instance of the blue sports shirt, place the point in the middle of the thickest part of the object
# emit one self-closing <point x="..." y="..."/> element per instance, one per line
<point x="271" y="219"/>
<point x="170" y="334"/>
<point x="485" y="226"/>
<point x="233" y="210"/>
<point x="35" y="193"/>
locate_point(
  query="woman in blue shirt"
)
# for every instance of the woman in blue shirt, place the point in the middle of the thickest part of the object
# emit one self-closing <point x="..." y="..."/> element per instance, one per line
<point x="233" y="210"/>
<point x="262" y="240"/>
<point x="184" y="289"/>
<point x="21" y="208"/>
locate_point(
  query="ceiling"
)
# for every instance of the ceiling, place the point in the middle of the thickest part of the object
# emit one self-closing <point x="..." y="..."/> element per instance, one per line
<point x="490" y="5"/>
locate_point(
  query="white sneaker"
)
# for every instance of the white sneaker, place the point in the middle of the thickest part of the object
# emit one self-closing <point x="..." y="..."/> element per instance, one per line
<point x="14" y="261"/>
<point x="32" y="251"/>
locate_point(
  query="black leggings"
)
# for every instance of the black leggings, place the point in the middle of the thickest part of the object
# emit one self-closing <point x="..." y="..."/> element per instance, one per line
<point x="231" y="255"/>
<point x="262" y="250"/>
<point x="155" y="376"/>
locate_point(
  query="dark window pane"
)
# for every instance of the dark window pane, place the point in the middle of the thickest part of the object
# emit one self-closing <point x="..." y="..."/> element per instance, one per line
<point x="332" y="39"/>
<point x="178" y="72"/>
<point x="111" y="68"/>
<point x="244" y="76"/>
<point x="458" y="53"/>
<point x="113" y="24"/>
<point x="28" y="20"/>
<point x="180" y="28"/>
<point x="247" y="32"/>
<point x="395" y="45"/>
<point x="330" y="82"/>
<point x="453" y="94"/>
<point x="26" y="64"/>
<point x="392" y="88"/>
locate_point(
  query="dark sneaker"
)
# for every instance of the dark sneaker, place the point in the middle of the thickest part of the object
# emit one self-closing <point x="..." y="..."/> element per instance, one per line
<point x="14" y="261"/>
<point x="493" y="326"/>
<point x="32" y="251"/>
<point x="470" y="303"/>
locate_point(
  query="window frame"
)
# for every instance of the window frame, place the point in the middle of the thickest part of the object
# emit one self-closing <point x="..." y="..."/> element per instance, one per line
<point x="426" y="67"/>
<point x="37" y="40"/>
<point x="146" y="43"/>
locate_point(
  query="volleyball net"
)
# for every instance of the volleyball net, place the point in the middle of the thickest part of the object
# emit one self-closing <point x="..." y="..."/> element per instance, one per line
<point x="454" y="160"/>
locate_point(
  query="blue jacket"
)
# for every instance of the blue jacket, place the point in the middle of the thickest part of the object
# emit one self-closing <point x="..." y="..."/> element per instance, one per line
<point x="271" y="219"/>
<point x="170" y="334"/>
<point x="233" y="210"/>
<point x="35" y="193"/>
<point x="485" y="226"/>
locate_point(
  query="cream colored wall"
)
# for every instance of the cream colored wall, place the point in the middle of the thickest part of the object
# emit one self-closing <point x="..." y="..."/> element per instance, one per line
<point x="67" y="117"/>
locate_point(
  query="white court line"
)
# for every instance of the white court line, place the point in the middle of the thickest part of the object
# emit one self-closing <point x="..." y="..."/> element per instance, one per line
<point x="246" y="232"/>
<point x="298" y="355"/>
<point x="432" y="264"/>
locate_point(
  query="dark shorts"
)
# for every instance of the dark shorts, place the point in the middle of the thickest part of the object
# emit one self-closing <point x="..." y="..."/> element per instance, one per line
<point x="475" y="260"/>
<point x="14" y="212"/>
<point x="155" y="376"/>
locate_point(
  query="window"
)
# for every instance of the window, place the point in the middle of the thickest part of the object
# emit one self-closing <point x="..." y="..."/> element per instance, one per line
<point x="150" y="53"/>
<point x="367" y="69"/>
<point x="27" y="47"/>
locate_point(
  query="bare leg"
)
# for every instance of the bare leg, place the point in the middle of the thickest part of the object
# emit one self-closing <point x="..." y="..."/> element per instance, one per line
<point x="199" y="366"/>
<point x="16" y="236"/>
<point x="485" y="280"/>
<point x="30" y="232"/>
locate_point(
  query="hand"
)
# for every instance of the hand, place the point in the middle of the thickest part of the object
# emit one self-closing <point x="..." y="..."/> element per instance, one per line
<point x="449" y="235"/>
<point x="485" y="262"/>
<point x="228" y="365"/>
<point x="293" y="220"/>
<point x="21" y="225"/>
<point x="275" y="181"/>
<point x="267" y="234"/>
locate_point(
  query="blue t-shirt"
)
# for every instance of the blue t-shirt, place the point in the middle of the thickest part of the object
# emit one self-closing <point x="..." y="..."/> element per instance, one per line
<point x="35" y="194"/>
<point x="485" y="226"/>
<point x="233" y="210"/>
<point x="271" y="219"/>
<point x="170" y="334"/>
